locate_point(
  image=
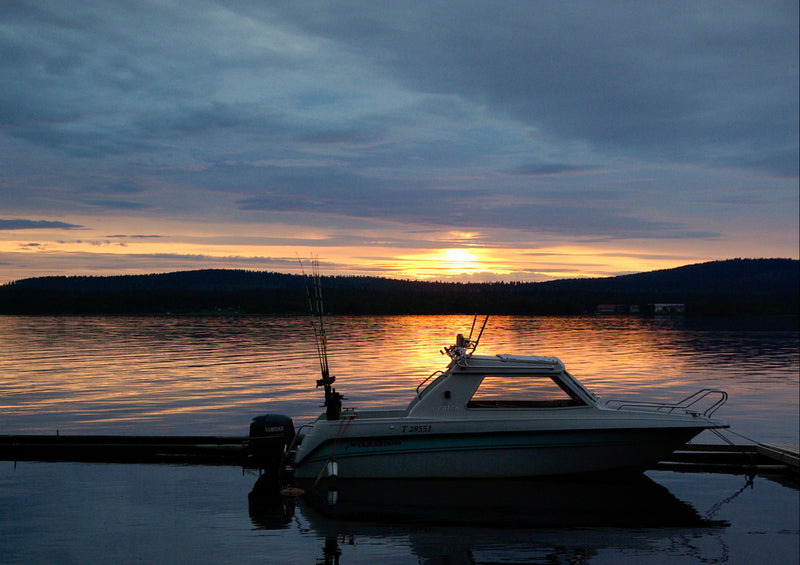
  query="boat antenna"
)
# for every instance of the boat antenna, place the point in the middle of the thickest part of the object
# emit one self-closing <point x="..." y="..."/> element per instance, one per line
<point x="333" y="399"/>
<point x="478" y="339"/>
<point x="472" y="329"/>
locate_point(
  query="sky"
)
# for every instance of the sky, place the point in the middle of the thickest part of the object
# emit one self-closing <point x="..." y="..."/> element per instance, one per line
<point x="440" y="140"/>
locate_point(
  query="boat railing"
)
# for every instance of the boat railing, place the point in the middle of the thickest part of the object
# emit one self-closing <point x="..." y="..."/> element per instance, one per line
<point x="429" y="377"/>
<point x="688" y="405"/>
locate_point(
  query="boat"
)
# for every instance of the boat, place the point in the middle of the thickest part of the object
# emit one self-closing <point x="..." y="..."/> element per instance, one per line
<point x="485" y="417"/>
<point x="499" y="416"/>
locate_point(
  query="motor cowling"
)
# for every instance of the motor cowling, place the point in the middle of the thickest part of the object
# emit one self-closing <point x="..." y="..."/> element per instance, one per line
<point x="270" y="437"/>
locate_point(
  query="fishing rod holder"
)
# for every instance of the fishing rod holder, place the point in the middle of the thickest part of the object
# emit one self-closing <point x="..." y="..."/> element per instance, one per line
<point x="333" y="403"/>
<point x="465" y="346"/>
<point x="325" y="381"/>
<point x="333" y="399"/>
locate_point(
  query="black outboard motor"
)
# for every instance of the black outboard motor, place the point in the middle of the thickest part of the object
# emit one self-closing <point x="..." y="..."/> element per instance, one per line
<point x="270" y="437"/>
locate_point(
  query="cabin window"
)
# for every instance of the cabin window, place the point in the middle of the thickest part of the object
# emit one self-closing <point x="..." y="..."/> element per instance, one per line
<point x="522" y="392"/>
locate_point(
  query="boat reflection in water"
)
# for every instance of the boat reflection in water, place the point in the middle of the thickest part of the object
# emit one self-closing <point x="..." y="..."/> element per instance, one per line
<point x="564" y="519"/>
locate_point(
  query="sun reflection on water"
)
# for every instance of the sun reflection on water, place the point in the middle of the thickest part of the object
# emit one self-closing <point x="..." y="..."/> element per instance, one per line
<point x="188" y="375"/>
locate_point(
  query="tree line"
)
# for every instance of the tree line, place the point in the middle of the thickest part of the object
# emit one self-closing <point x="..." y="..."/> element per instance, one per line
<point x="733" y="287"/>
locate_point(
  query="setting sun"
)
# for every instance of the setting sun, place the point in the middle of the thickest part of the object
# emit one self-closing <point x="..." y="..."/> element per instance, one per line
<point x="443" y="262"/>
<point x="459" y="258"/>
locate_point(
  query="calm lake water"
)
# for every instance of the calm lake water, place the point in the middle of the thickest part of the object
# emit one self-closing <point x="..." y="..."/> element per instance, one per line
<point x="210" y="376"/>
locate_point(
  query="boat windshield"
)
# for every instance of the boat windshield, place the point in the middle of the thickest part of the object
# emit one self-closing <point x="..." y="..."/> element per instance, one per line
<point x="532" y="391"/>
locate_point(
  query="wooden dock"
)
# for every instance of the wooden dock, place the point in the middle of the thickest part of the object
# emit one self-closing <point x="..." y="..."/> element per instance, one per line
<point x="768" y="460"/>
<point x="762" y="459"/>
<point x="783" y="452"/>
<point x="198" y="450"/>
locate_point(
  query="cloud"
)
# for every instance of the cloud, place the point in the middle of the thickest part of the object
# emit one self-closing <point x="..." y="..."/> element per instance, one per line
<point x="118" y="204"/>
<point x="115" y="187"/>
<point x="710" y="83"/>
<point x="548" y="169"/>
<point x="138" y="263"/>
<point x="123" y="236"/>
<point x="20" y="224"/>
<point x="348" y="195"/>
<point x="369" y="122"/>
<point x="706" y="83"/>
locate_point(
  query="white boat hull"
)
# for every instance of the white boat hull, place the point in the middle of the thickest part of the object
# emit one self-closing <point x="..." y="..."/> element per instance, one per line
<point x="495" y="455"/>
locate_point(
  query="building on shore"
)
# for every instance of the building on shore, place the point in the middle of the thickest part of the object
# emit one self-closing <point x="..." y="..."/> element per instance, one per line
<point x="673" y="308"/>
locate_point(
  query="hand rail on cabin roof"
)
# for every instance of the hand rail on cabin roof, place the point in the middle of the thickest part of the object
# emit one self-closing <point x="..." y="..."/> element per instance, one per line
<point x="684" y="405"/>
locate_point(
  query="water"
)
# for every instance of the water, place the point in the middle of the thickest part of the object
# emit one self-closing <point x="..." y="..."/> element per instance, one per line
<point x="175" y="376"/>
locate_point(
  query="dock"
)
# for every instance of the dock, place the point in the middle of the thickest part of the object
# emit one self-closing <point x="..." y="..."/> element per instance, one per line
<point x="187" y="450"/>
<point x="772" y="460"/>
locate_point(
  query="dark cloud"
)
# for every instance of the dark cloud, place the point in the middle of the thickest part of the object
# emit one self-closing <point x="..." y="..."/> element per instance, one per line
<point x="21" y="224"/>
<point x="355" y="136"/>
<point x="117" y="187"/>
<point x="118" y="204"/>
<point x="564" y="121"/>
<point x="326" y="192"/>
<point x="548" y="169"/>
<point x="711" y="83"/>
<point x="714" y="83"/>
<point x="678" y="81"/>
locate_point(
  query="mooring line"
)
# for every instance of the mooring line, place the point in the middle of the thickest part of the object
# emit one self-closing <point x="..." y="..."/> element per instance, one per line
<point x="749" y="455"/>
<point x="343" y="425"/>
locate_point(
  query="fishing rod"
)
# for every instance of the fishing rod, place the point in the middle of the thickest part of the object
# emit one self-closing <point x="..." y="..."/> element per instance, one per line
<point x="333" y="399"/>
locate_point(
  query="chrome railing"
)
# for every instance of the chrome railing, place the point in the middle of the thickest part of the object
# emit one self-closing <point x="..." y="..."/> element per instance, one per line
<point x="429" y="377"/>
<point x="686" y="405"/>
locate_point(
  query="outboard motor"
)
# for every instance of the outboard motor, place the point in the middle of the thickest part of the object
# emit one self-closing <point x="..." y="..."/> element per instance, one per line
<point x="270" y="438"/>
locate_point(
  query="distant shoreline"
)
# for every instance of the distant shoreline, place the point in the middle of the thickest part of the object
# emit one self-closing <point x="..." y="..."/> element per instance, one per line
<point x="738" y="287"/>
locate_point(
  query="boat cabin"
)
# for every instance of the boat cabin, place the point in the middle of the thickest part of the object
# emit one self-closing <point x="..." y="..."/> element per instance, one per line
<point x="507" y="382"/>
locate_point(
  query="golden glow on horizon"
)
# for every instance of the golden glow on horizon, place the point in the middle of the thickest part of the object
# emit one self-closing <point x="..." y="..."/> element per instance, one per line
<point x="443" y="263"/>
<point x="49" y="253"/>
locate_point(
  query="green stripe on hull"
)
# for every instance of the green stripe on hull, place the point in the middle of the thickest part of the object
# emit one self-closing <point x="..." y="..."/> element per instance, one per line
<point x="498" y="454"/>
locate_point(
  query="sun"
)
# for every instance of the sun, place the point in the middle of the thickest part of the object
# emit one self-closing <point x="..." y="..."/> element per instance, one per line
<point x="459" y="258"/>
<point x="442" y="263"/>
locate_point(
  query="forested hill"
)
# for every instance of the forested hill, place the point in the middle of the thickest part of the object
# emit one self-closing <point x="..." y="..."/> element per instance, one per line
<point x="738" y="286"/>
